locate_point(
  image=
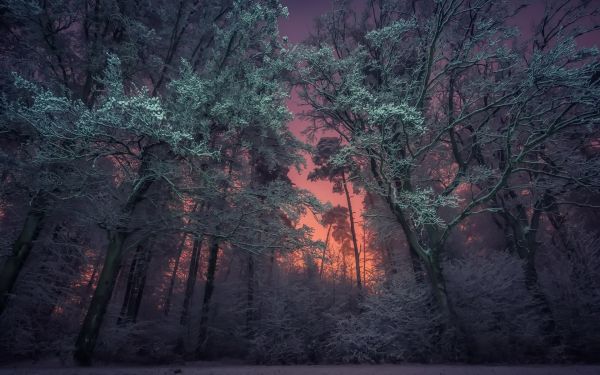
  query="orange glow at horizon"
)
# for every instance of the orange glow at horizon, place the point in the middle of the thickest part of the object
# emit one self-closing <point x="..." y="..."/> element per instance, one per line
<point x="323" y="190"/>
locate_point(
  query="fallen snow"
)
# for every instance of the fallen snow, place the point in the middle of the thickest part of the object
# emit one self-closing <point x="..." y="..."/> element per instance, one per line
<point x="311" y="370"/>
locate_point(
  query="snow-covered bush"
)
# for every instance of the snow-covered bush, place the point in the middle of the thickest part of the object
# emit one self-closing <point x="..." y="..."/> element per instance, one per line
<point x="571" y="279"/>
<point x="146" y="341"/>
<point x="293" y="326"/>
<point x="396" y="323"/>
<point x="500" y="315"/>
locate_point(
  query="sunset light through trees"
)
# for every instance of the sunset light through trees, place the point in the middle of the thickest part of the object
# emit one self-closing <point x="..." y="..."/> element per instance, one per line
<point x="289" y="182"/>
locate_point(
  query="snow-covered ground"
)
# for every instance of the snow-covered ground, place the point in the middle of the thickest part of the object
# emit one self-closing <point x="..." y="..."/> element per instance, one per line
<point x="311" y="370"/>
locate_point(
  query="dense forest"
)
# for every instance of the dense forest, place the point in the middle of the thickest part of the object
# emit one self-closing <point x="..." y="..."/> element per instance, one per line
<point x="148" y="213"/>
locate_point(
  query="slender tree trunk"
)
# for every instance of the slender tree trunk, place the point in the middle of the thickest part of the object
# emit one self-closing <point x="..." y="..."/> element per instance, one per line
<point x="324" y="251"/>
<point x="271" y="268"/>
<point x="353" y="231"/>
<point x="174" y="275"/>
<point x="250" y="297"/>
<point x="364" y="253"/>
<point x="344" y="266"/>
<point x="21" y="249"/>
<point x="191" y="280"/>
<point x="69" y="270"/>
<point x="208" y="291"/>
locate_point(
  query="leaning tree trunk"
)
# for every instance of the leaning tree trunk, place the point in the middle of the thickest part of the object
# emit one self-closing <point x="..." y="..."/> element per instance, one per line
<point x="353" y="232"/>
<point x="88" y="333"/>
<point x="191" y="280"/>
<point x="21" y="249"/>
<point x="208" y="291"/>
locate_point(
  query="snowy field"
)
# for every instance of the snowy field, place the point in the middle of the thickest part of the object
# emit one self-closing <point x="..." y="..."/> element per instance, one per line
<point x="313" y="370"/>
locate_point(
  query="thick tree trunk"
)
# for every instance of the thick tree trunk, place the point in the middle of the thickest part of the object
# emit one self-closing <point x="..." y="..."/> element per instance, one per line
<point x="430" y="259"/>
<point x="90" y="284"/>
<point x="136" y="282"/>
<point x="463" y="345"/>
<point x="391" y="265"/>
<point x="557" y="219"/>
<point x="130" y="285"/>
<point x="548" y="325"/>
<point x="88" y="334"/>
<point x="438" y="284"/>
<point x="353" y="232"/>
<point x="208" y="291"/>
<point x="86" y="341"/>
<point x="531" y="276"/>
<point x="524" y="240"/>
<point x="134" y="307"/>
<point x="21" y="249"/>
<point x="417" y="266"/>
<point x="191" y="280"/>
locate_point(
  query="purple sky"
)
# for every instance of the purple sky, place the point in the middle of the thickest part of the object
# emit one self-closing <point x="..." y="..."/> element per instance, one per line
<point x="302" y="13"/>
